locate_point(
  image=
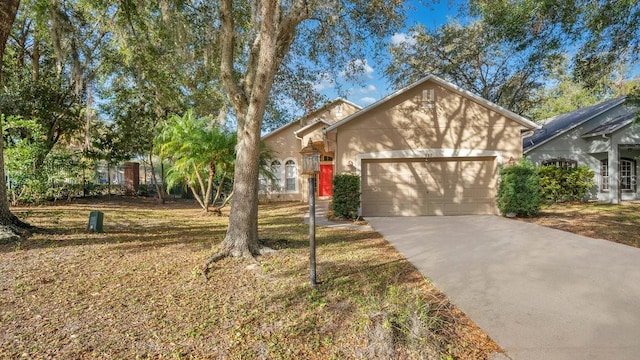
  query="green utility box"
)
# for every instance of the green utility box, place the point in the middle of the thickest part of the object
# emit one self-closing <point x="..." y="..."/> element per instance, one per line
<point x="95" y="221"/>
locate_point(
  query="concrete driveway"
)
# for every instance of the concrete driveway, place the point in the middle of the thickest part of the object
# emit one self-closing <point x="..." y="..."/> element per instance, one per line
<point x="539" y="293"/>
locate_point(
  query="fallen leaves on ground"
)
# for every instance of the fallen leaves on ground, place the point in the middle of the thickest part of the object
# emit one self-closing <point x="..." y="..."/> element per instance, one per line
<point x="136" y="290"/>
<point x="614" y="222"/>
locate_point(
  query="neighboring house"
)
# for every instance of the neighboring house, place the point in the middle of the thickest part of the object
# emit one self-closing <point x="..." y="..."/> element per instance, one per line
<point x="604" y="137"/>
<point x="288" y="140"/>
<point x="431" y="148"/>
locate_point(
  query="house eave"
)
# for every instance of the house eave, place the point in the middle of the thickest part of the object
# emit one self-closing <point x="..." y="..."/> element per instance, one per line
<point x="573" y="127"/>
<point x="312" y="113"/>
<point x="526" y="123"/>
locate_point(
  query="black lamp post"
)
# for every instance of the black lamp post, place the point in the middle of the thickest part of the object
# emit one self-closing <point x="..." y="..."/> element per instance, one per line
<point x="311" y="166"/>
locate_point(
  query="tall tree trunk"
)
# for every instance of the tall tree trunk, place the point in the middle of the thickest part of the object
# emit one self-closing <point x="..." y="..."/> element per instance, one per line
<point x="8" y="9"/>
<point x="248" y="94"/>
<point x="242" y="234"/>
<point x="155" y="179"/>
<point x="212" y="174"/>
<point x="203" y="190"/>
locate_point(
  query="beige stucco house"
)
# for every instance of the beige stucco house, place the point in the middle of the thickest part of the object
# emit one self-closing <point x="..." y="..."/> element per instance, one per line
<point x="431" y="148"/>
<point x="288" y="140"/>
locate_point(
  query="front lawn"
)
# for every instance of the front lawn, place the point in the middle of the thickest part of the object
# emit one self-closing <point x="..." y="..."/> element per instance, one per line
<point x="137" y="291"/>
<point x="618" y="223"/>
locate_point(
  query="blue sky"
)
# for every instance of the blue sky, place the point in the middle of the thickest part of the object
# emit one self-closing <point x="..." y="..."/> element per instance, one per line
<point x="373" y="86"/>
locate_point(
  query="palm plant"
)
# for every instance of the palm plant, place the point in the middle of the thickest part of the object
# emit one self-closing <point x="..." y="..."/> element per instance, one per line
<point x="199" y="150"/>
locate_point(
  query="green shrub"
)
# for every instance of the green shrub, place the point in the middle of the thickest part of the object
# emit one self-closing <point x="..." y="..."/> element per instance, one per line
<point x="346" y="196"/>
<point x="519" y="190"/>
<point x="561" y="184"/>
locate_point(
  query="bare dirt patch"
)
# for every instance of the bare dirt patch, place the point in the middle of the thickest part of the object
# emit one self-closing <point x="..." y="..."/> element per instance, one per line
<point x="136" y="290"/>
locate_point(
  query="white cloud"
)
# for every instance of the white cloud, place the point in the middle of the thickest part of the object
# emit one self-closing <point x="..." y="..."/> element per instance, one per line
<point x="357" y="69"/>
<point x="367" y="89"/>
<point x="402" y="38"/>
<point x="326" y="82"/>
<point x="367" y="100"/>
<point x="372" y="88"/>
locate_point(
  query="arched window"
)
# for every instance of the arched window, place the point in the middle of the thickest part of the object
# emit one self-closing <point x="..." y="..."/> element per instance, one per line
<point x="291" y="175"/>
<point x="276" y="169"/>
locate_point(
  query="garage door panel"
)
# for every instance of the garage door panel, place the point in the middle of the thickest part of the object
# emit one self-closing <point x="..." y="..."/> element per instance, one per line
<point x="437" y="187"/>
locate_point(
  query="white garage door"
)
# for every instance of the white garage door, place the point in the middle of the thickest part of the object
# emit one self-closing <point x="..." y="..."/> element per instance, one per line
<point x="415" y="187"/>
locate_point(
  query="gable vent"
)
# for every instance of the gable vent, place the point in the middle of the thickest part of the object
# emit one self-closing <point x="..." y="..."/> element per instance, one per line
<point x="428" y="98"/>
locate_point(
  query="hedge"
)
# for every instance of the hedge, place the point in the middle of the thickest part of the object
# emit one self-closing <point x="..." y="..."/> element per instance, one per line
<point x="519" y="190"/>
<point x="565" y="184"/>
<point x="346" y="196"/>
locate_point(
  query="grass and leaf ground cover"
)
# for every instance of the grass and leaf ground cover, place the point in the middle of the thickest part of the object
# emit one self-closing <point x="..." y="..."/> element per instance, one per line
<point x="137" y="291"/>
<point x="618" y="223"/>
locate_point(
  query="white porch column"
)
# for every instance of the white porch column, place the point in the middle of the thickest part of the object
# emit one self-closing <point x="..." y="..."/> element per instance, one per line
<point x="614" y="172"/>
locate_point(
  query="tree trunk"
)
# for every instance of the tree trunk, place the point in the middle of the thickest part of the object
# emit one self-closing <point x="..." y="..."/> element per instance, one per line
<point x="155" y="179"/>
<point x="196" y="196"/>
<point x="8" y="9"/>
<point x="248" y="94"/>
<point x="109" y="179"/>
<point x="219" y="189"/>
<point x="241" y="239"/>
<point x="203" y="190"/>
<point x="212" y="174"/>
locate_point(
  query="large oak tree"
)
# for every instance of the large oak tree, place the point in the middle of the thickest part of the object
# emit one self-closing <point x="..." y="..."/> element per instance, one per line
<point x="495" y="69"/>
<point x="8" y="10"/>
<point x="599" y="36"/>
<point x="256" y="37"/>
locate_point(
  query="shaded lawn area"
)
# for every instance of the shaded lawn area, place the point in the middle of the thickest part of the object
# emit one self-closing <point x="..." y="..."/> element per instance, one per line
<point x="618" y="223"/>
<point x="137" y="291"/>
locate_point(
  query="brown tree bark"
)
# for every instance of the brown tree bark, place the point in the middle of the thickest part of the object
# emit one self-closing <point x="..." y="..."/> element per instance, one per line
<point x="8" y="10"/>
<point x="274" y="27"/>
<point x="159" y="189"/>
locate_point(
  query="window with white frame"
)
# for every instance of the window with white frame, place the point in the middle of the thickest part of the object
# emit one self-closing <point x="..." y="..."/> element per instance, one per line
<point x="291" y="175"/>
<point x="627" y="175"/>
<point x="276" y="169"/>
<point x="604" y="175"/>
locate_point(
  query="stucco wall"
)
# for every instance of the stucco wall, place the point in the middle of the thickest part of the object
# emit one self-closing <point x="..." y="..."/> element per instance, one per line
<point x="588" y="151"/>
<point x="402" y="123"/>
<point x="287" y="147"/>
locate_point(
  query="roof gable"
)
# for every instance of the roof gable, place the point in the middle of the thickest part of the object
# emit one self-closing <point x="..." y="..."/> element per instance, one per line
<point x="316" y="112"/>
<point x="560" y="124"/>
<point x="513" y="116"/>
<point x="304" y="130"/>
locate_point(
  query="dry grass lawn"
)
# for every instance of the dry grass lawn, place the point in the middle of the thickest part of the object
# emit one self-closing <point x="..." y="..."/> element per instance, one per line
<point x="618" y="223"/>
<point x="136" y="291"/>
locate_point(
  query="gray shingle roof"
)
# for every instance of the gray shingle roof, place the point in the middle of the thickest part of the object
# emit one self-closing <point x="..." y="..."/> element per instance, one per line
<point x="612" y="125"/>
<point x="562" y="123"/>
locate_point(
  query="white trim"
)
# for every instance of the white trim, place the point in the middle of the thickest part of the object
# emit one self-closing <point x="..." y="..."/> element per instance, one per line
<point x="517" y="118"/>
<point x="303" y="129"/>
<point x="428" y="153"/>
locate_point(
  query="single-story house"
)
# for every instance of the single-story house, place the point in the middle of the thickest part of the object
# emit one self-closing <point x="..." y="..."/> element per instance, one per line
<point x="288" y="140"/>
<point x="604" y="137"/>
<point x="431" y="148"/>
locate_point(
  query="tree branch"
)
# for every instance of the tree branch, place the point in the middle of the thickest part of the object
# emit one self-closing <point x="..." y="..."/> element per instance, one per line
<point x="227" y="40"/>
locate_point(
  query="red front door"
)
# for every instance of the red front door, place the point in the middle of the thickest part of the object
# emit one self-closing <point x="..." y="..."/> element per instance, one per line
<point x="325" y="187"/>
